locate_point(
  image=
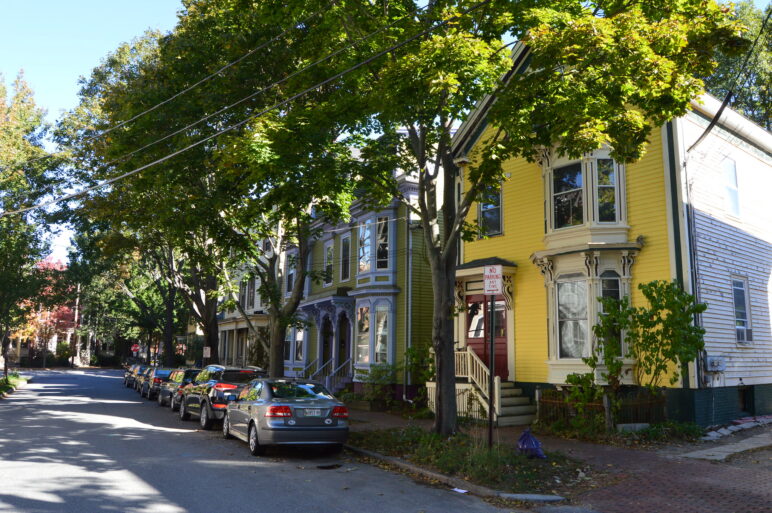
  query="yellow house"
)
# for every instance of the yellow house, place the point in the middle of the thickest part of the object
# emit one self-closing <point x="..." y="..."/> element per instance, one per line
<point x="567" y="231"/>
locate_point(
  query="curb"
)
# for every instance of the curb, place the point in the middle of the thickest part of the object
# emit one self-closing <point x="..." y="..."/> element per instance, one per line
<point x="456" y="482"/>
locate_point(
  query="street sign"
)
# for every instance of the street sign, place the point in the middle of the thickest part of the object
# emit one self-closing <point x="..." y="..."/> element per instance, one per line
<point x="207" y="352"/>
<point x="492" y="279"/>
<point x="135" y="348"/>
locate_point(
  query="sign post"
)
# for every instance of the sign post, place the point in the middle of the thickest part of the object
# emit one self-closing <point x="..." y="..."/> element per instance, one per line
<point x="207" y="354"/>
<point x="492" y="288"/>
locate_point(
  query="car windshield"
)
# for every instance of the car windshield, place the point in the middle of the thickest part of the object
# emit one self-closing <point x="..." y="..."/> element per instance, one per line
<point x="299" y="391"/>
<point x="239" y="376"/>
<point x="191" y="373"/>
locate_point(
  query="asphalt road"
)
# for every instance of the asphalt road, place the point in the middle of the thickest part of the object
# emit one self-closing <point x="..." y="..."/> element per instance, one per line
<point x="78" y="441"/>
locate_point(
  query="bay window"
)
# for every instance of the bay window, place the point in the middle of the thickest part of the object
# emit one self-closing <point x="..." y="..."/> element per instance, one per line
<point x="572" y="318"/>
<point x="365" y="242"/>
<point x="381" y="333"/>
<point x="328" y="258"/>
<point x="567" y="196"/>
<point x="382" y="248"/>
<point x="362" y="354"/>
<point x="345" y="255"/>
<point x="607" y="190"/>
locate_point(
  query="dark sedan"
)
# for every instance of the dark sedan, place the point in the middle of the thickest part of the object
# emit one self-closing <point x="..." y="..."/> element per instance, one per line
<point x="286" y="412"/>
<point x="171" y="389"/>
<point x="206" y="395"/>
<point x="152" y="383"/>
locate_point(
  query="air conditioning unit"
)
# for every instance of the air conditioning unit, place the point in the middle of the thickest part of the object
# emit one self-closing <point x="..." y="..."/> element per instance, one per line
<point x="715" y="363"/>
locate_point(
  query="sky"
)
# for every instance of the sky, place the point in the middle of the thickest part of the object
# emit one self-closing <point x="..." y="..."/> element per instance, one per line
<point x="56" y="42"/>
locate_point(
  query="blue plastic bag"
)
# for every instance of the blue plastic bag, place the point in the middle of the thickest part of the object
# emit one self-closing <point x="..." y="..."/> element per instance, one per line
<point x="528" y="444"/>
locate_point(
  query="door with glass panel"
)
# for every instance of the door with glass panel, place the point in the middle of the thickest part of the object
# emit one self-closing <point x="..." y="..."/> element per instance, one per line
<point x="478" y="331"/>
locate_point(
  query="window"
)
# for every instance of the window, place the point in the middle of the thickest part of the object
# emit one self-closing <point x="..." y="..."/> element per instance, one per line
<point x="610" y="288"/>
<point x="730" y="187"/>
<point x="290" y="273"/>
<point x="365" y="241"/>
<point x="328" y="257"/>
<point x="490" y="212"/>
<point x="607" y="191"/>
<point x="741" y="310"/>
<point x="572" y="318"/>
<point x="251" y="293"/>
<point x="288" y="344"/>
<point x="363" y="335"/>
<point x="243" y="293"/>
<point x="299" y="345"/>
<point x="475" y="319"/>
<point x="345" y="255"/>
<point x="381" y="333"/>
<point x="567" y="196"/>
<point x="382" y="250"/>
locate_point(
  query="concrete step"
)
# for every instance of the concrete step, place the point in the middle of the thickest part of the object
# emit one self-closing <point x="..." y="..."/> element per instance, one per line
<point x="518" y="410"/>
<point x="507" y="384"/>
<point x="510" y="392"/>
<point x="514" y="400"/>
<point x="516" y="420"/>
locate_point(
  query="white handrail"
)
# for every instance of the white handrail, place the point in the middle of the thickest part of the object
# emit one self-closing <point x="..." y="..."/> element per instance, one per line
<point x="305" y="370"/>
<point x="337" y="376"/>
<point x="320" y="374"/>
<point x="478" y="373"/>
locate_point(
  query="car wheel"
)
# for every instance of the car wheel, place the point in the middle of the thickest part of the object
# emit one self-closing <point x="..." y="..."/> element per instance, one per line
<point x="254" y="445"/>
<point x="204" y="417"/>
<point x="184" y="415"/>
<point x="226" y="427"/>
<point x="160" y="398"/>
<point x="173" y="404"/>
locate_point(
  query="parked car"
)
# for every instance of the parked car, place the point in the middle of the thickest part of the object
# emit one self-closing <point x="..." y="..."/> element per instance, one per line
<point x="152" y="383"/>
<point x="141" y="377"/>
<point x="205" y="396"/>
<point x="170" y="389"/>
<point x="285" y="412"/>
<point x="131" y="379"/>
<point x="128" y="376"/>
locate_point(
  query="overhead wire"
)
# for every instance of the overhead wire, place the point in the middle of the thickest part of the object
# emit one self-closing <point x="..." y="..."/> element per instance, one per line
<point x="336" y="76"/>
<point x="730" y="92"/>
<point x="198" y="83"/>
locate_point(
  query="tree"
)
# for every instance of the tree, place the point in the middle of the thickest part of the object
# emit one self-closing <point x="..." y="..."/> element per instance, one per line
<point x="751" y="91"/>
<point x="599" y="73"/>
<point x="25" y="176"/>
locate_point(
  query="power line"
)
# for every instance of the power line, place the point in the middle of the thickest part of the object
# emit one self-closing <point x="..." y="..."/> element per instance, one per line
<point x="254" y="116"/>
<point x="264" y="89"/>
<point x="201" y="81"/>
<point x="730" y="92"/>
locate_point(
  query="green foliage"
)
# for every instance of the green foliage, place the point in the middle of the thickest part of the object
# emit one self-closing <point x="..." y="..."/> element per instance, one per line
<point x="379" y="382"/>
<point x="670" y="431"/>
<point x="659" y="336"/>
<point x="502" y="468"/>
<point x="63" y="351"/>
<point x="752" y="96"/>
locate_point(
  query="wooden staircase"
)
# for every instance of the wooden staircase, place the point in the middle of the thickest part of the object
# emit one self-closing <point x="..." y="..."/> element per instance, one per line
<point x="514" y="408"/>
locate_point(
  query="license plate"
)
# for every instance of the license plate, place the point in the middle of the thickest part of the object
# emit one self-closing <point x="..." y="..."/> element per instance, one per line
<point x="315" y="412"/>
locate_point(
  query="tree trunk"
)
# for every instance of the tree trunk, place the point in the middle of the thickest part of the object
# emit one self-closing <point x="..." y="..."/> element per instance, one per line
<point x="443" y="282"/>
<point x="168" y="342"/>
<point x="276" y="360"/>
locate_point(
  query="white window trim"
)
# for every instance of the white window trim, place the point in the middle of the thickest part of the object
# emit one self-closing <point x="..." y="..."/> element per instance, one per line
<point x="293" y="334"/>
<point x="342" y="266"/>
<point x="389" y="241"/>
<point x="569" y="278"/>
<point x="355" y="344"/>
<point x="327" y="245"/>
<point x="731" y="188"/>
<point x="360" y="224"/>
<point x="589" y="194"/>
<point x="373" y="306"/>
<point x="289" y="260"/>
<point x="748" y="320"/>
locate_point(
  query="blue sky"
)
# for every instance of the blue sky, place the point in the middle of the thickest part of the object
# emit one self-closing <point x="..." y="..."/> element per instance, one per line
<point x="57" y="41"/>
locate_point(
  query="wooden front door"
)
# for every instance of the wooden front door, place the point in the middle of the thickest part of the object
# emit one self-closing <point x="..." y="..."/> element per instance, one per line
<point x="327" y="340"/>
<point x="478" y="330"/>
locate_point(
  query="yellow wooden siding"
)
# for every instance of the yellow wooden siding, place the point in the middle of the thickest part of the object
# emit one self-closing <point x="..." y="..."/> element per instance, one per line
<point x="523" y="232"/>
<point x="647" y="215"/>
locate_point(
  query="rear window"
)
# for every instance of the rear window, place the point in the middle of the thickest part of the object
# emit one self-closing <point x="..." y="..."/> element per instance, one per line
<point x="162" y="373"/>
<point x="235" y="376"/>
<point x="190" y="374"/>
<point x="299" y="391"/>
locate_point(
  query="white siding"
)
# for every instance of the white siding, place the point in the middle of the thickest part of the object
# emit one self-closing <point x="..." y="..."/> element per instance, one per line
<point x="728" y="245"/>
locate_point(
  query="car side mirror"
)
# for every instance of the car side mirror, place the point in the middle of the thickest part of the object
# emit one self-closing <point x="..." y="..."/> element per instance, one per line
<point x="231" y="397"/>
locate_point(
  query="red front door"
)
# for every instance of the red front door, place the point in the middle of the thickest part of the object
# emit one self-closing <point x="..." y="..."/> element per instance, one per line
<point x="478" y="331"/>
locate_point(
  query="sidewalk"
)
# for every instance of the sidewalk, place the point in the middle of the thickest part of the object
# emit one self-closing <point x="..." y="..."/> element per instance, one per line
<point x="644" y="480"/>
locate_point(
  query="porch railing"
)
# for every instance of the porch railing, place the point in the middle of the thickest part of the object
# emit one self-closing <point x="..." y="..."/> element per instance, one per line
<point x="470" y="366"/>
<point x="338" y="376"/>
<point x="309" y="369"/>
<point x="323" y="371"/>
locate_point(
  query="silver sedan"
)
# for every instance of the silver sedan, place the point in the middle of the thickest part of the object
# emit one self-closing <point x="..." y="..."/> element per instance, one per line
<point x="285" y="412"/>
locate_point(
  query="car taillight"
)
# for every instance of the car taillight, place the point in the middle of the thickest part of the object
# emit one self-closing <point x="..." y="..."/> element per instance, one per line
<point x="224" y="386"/>
<point x="340" y="412"/>
<point x="278" y="411"/>
<point x="157" y="381"/>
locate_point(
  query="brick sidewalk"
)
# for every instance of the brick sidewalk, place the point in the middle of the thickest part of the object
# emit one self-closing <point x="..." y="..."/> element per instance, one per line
<point x="645" y="481"/>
